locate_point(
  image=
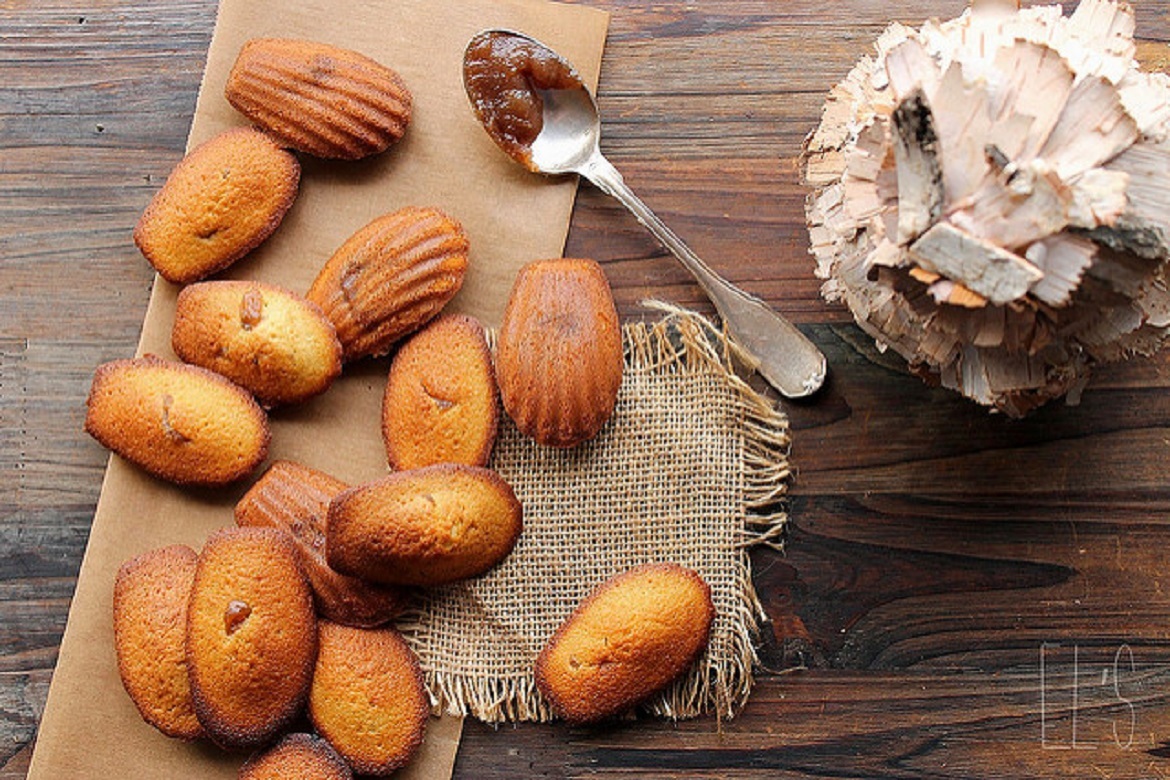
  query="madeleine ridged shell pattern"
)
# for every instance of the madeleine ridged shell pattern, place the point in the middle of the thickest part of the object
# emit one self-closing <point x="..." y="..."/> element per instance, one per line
<point x="390" y="278"/>
<point x="295" y="498"/>
<point x="559" y="353"/>
<point x="319" y="99"/>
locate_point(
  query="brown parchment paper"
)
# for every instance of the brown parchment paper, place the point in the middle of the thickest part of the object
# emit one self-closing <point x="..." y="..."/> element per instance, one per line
<point x="90" y="729"/>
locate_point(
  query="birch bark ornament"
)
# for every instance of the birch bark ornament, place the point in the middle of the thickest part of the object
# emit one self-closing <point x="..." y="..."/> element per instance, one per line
<point x="991" y="199"/>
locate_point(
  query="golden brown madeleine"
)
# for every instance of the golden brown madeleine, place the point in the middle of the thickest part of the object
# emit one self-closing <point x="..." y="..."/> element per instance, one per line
<point x="223" y="199"/>
<point x="319" y="99"/>
<point x="440" y="402"/>
<point x="268" y="340"/>
<point x="630" y="638"/>
<point x="427" y="526"/>
<point x="559" y="352"/>
<point x="390" y="278"/>
<point x="297" y="757"/>
<point x="368" y="697"/>
<point x="151" y="593"/>
<point x="295" y="498"/>
<point x="180" y="423"/>
<point x="251" y="636"/>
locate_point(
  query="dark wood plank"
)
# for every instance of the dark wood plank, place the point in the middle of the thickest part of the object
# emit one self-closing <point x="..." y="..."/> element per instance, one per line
<point x="940" y="559"/>
<point x="879" y="725"/>
<point x="95" y="100"/>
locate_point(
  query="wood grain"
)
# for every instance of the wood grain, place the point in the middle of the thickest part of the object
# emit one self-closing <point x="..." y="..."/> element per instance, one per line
<point x="962" y="595"/>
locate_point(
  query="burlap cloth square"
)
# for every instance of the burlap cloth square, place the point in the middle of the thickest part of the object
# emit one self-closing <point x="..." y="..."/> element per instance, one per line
<point x="691" y="469"/>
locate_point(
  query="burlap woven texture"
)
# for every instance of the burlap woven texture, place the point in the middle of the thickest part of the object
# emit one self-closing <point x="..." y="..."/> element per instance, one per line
<point x="690" y="469"/>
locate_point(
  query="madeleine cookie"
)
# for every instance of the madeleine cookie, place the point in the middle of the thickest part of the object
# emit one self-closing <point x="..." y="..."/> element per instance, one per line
<point x="297" y="757"/>
<point x="181" y="423"/>
<point x="219" y="203"/>
<point x="251" y="636"/>
<point x="295" y="498"/>
<point x="368" y="698"/>
<point x="319" y="99"/>
<point x="559" y="352"/>
<point x="151" y="593"/>
<point x="428" y="526"/>
<point x="440" y="400"/>
<point x="268" y="340"/>
<point x="633" y="636"/>
<point x="390" y="278"/>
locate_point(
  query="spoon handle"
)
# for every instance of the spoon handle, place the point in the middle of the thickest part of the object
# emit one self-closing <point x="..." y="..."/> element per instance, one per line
<point x="785" y="357"/>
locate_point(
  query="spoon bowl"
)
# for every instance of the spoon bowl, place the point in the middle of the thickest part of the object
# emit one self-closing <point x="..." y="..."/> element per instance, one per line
<point x="536" y="108"/>
<point x="571" y="132"/>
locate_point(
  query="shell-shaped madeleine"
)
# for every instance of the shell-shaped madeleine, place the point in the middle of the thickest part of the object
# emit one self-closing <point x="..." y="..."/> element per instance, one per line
<point x="219" y="203"/>
<point x="559" y="352"/>
<point x="295" y="498"/>
<point x="390" y="278"/>
<point x="440" y="401"/>
<point x="630" y="638"/>
<point x="270" y="341"/>
<point x="319" y="99"/>
<point x="151" y="593"/>
<point x="297" y="757"/>
<point x="427" y="526"/>
<point x="179" y="422"/>
<point x="368" y="699"/>
<point x="251" y="636"/>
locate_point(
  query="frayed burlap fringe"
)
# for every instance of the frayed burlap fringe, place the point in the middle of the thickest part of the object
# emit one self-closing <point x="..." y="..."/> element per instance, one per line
<point x="693" y="468"/>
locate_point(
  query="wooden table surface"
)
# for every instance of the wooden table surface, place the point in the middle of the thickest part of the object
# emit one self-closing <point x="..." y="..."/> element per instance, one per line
<point x="962" y="595"/>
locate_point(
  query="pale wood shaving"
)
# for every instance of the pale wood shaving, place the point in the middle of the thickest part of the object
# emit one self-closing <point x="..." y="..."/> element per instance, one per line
<point x="1063" y="259"/>
<point x="1093" y="128"/>
<point x="916" y="154"/>
<point x="1144" y="227"/>
<point x="983" y="267"/>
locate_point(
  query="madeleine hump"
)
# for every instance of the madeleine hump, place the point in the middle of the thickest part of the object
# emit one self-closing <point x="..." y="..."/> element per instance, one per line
<point x="559" y="353"/>
<point x="219" y="203"/>
<point x="428" y="526"/>
<point x="297" y="757"/>
<point x="181" y="423"/>
<point x="151" y="592"/>
<point x="295" y="498"/>
<point x="390" y="278"/>
<point x="368" y="699"/>
<point x="251" y="636"/>
<point x="270" y="341"/>
<point x="319" y="99"/>
<point x="440" y="403"/>
<point x="630" y="638"/>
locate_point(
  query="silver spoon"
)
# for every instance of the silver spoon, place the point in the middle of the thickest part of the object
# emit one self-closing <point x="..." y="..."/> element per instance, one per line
<point x="566" y="140"/>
